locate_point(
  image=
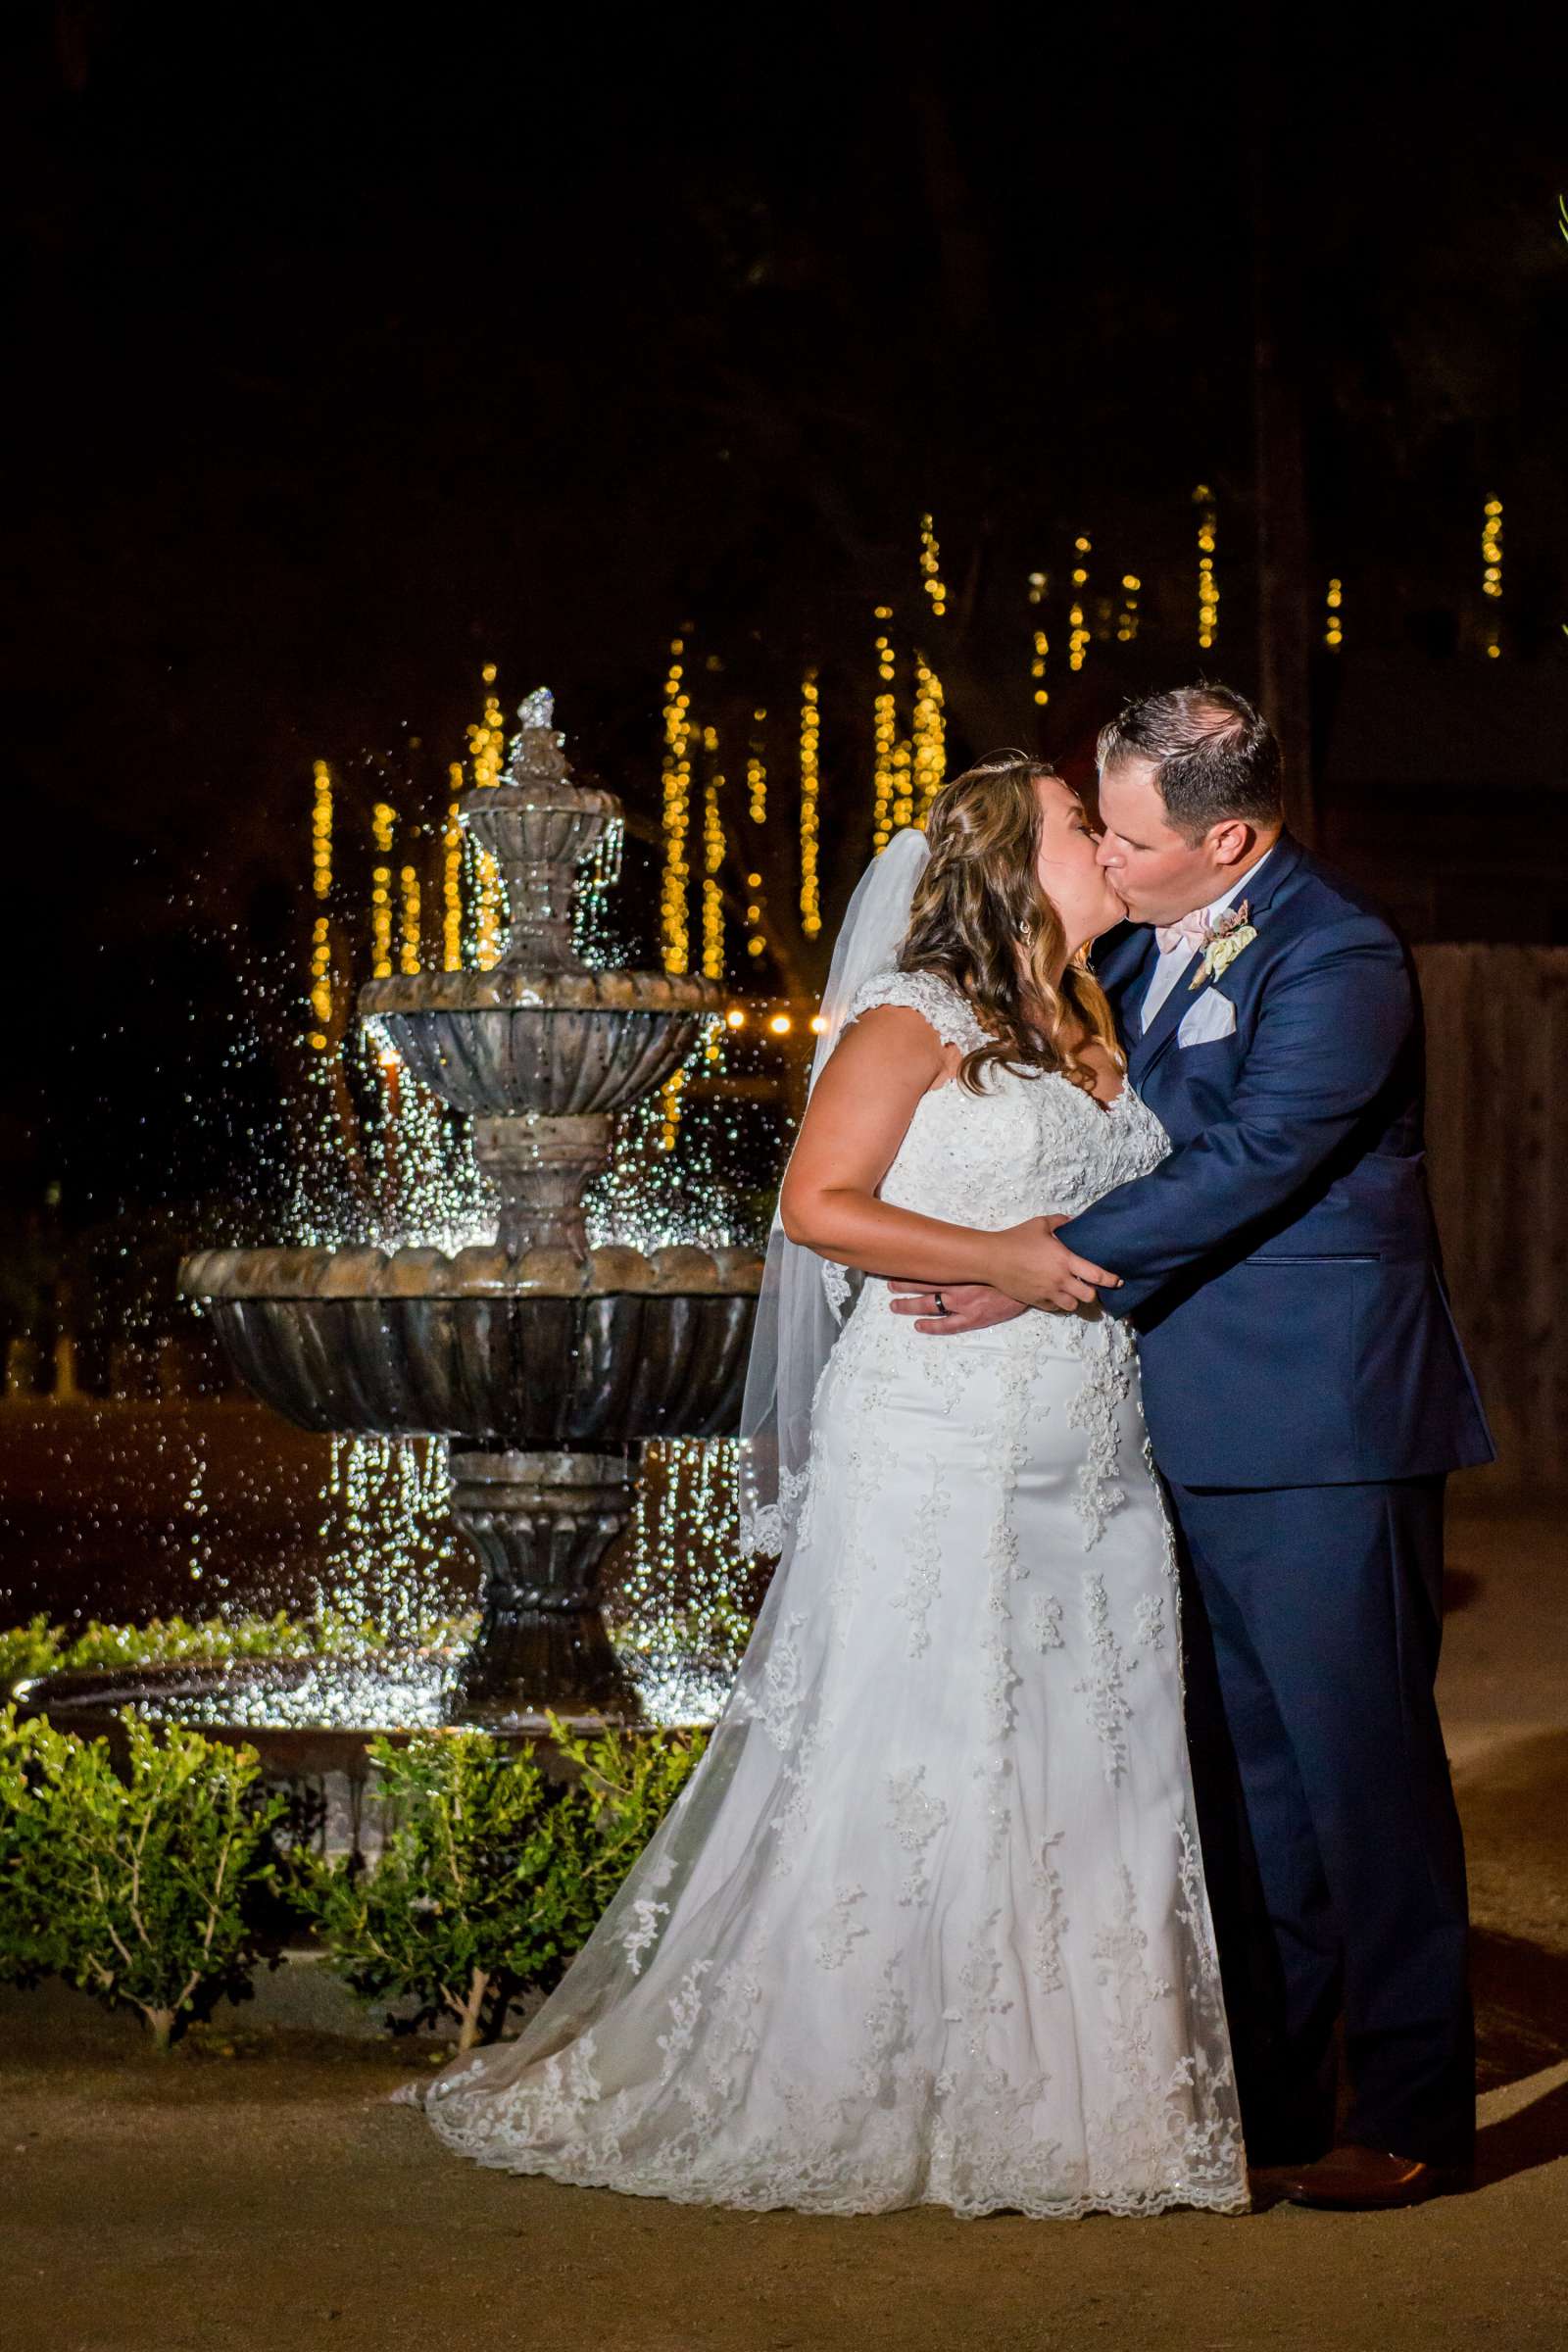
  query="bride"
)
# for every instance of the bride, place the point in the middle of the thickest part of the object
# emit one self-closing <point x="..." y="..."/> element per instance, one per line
<point x="928" y="1922"/>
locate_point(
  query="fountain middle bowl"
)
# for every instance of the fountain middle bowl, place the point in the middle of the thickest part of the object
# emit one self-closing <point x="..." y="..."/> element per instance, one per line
<point x="538" y="1350"/>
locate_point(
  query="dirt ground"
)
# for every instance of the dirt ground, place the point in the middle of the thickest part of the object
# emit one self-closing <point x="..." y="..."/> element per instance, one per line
<point x="271" y="2198"/>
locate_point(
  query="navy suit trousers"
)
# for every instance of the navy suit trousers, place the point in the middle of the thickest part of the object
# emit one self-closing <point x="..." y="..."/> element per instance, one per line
<point x="1313" y="1622"/>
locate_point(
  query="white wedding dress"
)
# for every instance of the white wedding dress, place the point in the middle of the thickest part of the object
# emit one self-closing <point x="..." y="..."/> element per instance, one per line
<point x="928" y="1924"/>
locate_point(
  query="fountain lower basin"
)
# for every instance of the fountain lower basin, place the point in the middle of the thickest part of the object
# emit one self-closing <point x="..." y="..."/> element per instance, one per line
<point x="535" y="1350"/>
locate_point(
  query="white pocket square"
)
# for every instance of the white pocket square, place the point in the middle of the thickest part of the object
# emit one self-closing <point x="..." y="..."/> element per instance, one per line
<point x="1212" y="1016"/>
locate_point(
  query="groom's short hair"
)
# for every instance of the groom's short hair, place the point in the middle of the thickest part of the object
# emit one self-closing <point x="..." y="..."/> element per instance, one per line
<point x="1213" y="754"/>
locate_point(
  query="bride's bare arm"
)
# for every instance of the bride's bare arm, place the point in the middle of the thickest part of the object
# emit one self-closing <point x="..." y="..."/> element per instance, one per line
<point x="857" y="1117"/>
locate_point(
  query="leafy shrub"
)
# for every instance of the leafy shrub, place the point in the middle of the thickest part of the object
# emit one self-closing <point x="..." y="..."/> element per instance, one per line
<point x="135" y="1886"/>
<point x="443" y="1916"/>
<point x="493" y="1876"/>
<point x="32" y="1755"/>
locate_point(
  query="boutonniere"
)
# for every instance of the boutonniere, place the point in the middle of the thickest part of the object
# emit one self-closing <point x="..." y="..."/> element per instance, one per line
<point x="1223" y="943"/>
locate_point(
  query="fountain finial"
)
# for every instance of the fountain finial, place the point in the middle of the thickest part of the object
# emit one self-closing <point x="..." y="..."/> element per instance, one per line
<point x="537" y="755"/>
<point x="539" y="825"/>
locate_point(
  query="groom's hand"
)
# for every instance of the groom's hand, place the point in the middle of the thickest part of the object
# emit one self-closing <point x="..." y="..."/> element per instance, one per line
<point x="970" y="1305"/>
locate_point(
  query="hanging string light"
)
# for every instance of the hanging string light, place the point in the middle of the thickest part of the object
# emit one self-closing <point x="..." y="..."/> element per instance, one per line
<point x="382" y="820"/>
<point x="885" y="730"/>
<point x="674" y="887"/>
<point x="929" y="737"/>
<point x="1492" y="569"/>
<point x="1041" y="647"/>
<point x="321" y="883"/>
<point x="487" y="736"/>
<point x="673" y="908"/>
<point x="1208" y="585"/>
<point x="1038" y="642"/>
<point x="811" y="791"/>
<point x="487" y="744"/>
<point x="320" y="982"/>
<point x="1334" y="616"/>
<point x="902" y="784"/>
<point x="756" y="771"/>
<point x="410" y="881"/>
<point x="712" y="862"/>
<point x="322" y="831"/>
<point x="487" y="946"/>
<point x="756" y="811"/>
<point x="673" y="890"/>
<point x="1077" y="629"/>
<point x="1127" y="618"/>
<point x="669" y="1094"/>
<point x="931" y="567"/>
<point x="452" y="879"/>
<point x="756" y="944"/>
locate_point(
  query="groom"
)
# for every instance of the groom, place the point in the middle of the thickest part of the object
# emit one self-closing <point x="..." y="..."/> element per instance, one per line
<point x="1305" y="1394"/>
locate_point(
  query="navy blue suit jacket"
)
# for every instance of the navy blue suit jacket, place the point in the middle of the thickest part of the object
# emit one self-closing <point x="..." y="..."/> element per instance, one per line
<point x="1281" y="1265"/>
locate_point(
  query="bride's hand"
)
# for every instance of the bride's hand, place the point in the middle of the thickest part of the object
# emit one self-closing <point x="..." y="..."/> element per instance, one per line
<point x="1031" y="1266"/>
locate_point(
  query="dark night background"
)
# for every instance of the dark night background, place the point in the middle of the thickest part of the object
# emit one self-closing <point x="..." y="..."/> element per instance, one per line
<point x="349" y="353"/>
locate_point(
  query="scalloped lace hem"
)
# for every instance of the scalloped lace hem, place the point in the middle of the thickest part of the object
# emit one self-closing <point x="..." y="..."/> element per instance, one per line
<point x="797" y="2197"/>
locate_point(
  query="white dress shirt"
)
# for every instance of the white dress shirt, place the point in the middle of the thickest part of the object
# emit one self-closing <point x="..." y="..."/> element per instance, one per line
<point x="1175" y="961"/>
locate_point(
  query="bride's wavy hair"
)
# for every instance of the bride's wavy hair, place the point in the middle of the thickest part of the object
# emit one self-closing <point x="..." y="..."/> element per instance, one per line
<point x="981" y="920"/>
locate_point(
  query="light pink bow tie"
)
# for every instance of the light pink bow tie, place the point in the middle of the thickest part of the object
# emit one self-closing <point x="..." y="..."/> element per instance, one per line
<point x="1193" y="929"/>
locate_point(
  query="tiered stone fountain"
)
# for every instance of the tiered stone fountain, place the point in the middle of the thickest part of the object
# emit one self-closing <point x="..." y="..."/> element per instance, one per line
<point x="544" y="1361"/>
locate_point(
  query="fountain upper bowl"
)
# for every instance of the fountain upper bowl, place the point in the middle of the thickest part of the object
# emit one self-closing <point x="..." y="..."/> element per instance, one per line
<point x="556" y="1044"/>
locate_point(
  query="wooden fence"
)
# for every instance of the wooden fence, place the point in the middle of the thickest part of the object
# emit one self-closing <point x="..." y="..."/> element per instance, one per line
<point x="1498" y="1156"/>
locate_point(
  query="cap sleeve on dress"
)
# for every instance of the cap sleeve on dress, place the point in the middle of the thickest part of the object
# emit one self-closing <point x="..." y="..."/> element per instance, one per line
<point x="949" y="1012"/>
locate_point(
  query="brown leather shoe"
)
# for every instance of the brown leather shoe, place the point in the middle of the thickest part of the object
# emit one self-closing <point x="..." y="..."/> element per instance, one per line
<point x="1353" y="2180"/>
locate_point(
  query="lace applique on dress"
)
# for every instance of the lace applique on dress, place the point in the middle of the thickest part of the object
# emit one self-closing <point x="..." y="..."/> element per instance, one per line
<point x="1108" y="1352"/>
<point x="949" y="1012"/>
<point x="914" y="1818"/>
<point x="1051" y="1916"/>
<point x="836" y="1285"/>
<point x="836" y="1937"/>
<point x="925" y="1578"/>
<point x="644" y="1931"/>
<point x="764" y="1530"/>
<point x="1105" y="1686"/>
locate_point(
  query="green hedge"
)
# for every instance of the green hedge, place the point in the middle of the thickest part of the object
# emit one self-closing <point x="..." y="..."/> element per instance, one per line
<point x="157" y="1887"/>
